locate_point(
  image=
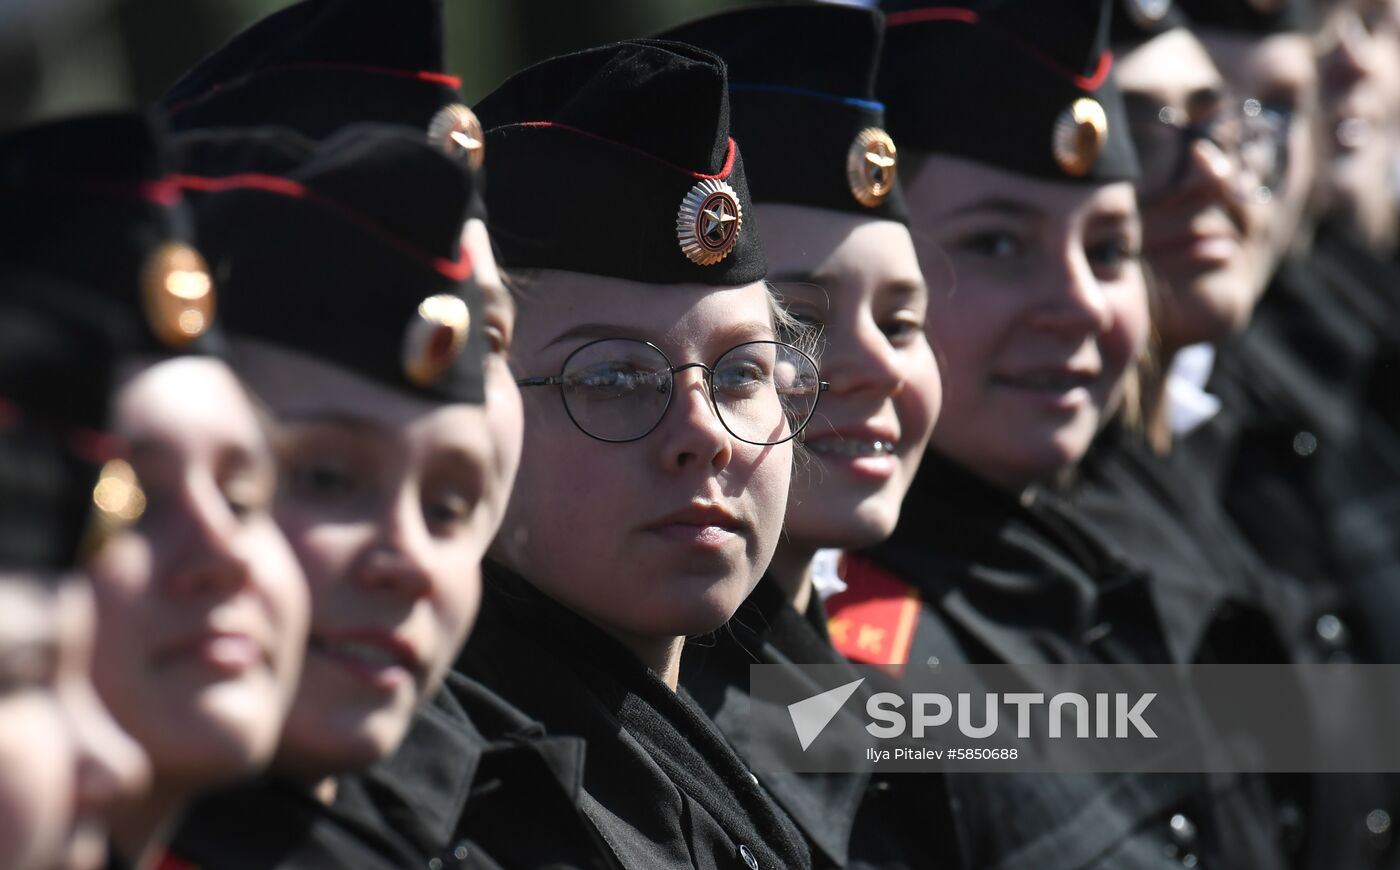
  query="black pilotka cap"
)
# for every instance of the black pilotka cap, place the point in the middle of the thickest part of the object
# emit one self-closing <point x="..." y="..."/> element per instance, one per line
<point x="1138" y="21"/>
<point x="320" y="65"/>
<point x="90" y="200"/>
<point x="58" y="348"/>
<point x="1252" y="17"/>
<point x="802" y="104"/>
<point x="1022" y="85"/>
<point x="618" y="161"/>
<point x="348" y="250"/>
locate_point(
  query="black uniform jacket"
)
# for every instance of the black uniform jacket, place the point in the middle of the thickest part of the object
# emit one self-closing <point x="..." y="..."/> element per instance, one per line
<point x="1008" y="580"/>
<point x="660" y="783"/>
<point x="1218" y="600"/>
<point x="850" y="819"/>
<point x="1306" y="464"/>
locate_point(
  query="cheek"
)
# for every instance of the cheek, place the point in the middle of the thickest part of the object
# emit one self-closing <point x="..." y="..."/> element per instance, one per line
<point x="280" y="581"/>
<point x="325" y="551"/>
<point x="964" y="335"/>
<point x="918" y="404"/>
<point x="1132" y="324"/>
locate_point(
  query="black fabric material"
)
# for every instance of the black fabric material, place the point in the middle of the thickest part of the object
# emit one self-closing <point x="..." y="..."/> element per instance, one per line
<point x="661" y="784"/>
<point x="590" y="155"/>
<point x="324" y="259"/>
<point x="991" y="91"/>
<point x="1305" y="465"/>
<point x="57" y="353"/>
<point x="1017" y="581"/>
<point x="100" y="185"/>
<point x="320" y="65"/>
<point x="851" y="820"/>
<point x="447" y="796"/>
<point x="801" y="89"/>
<point x="1137" y="21"/>
<point x="1255" y="17"/>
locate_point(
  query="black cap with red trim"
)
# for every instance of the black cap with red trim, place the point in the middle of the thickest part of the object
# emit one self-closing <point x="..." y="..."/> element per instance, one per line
<point x="320" y="65"/>
<point x="802" y="103"/>
<point x="89" y="201"/>
<point x="1253" y="17"/>
<point x="1022" y="85"/>
<point x="617" y="161"/>
<point x="59" y="346"/>
<point x="348" y="250"/>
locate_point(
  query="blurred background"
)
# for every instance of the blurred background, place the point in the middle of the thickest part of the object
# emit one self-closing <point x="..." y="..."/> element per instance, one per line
<point x="61" y="56"/>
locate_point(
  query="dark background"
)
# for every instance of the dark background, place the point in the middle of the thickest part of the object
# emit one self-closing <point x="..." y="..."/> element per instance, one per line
<point x="77" y="55"/>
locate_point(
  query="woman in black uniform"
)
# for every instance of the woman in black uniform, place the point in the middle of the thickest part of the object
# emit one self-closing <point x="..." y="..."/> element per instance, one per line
<point x="1025" y="182"/>
<point x="201" y="606"/>
<point x="836" y="235"/>
<point x="64" y="763"/>
<point x="660" y="408"/>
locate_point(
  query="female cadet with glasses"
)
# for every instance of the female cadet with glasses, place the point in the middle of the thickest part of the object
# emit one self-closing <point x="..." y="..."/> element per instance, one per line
<point x="201" y="607"/>
<point x="660" y="408"/>
<point x="841" y="259"/>
<point x="1029" y="195"/>
<point x="63" y="761"/>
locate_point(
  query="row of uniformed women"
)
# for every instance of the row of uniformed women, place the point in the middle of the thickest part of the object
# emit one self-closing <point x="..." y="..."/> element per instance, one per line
<point x="662" y="360"/>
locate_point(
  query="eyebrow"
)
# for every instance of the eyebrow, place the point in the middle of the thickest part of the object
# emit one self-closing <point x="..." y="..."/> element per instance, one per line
<point x="902" y="287"/>
<point x="1003" y="206"/>
<point x="750" y="331"/>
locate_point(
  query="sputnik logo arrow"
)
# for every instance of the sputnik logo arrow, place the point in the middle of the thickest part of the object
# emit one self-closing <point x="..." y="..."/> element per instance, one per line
<point x="811" y="716"/>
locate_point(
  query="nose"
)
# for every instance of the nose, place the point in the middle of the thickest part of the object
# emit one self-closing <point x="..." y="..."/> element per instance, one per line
<point x="861" y="360"/>
<point x="393" y="562"/>
<point x="1349" y="60"/>
<point x="1073" y="302"/>
<point x="206" y="539"/>
<point x="691" y="433"/>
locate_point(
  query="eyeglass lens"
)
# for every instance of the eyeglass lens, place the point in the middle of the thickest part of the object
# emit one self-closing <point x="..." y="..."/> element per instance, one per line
<point x="619" y="389"/>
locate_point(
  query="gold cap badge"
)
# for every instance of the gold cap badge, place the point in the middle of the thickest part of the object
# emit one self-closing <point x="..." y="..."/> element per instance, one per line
<point x="178" y="294"/>
<point x="434" y="337"/>
<point x="871" y="165"/>
<point x="117" y="500"/>
<point x="1080" y="133"/>
<point x="708" y="222"/>
<point x="456" y="130"/>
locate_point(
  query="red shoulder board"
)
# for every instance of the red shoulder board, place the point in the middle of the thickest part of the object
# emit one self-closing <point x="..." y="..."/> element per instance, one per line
<point x="873" y="620"/>
<point x="170" y="862"/>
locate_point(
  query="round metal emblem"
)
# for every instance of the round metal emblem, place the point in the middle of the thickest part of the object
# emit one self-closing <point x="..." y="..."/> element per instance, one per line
<point x="708" y="222"/>
<point x="434" y="337"/>
<point x="456" y="130"/>
<point x="1148" y="13"/>
<point x="178" y="294"/>
<point x="117" y="500"/>
<point x="1080" y="133"/>
<point x="871" y="166"/>
<point x="1266" y="7"/>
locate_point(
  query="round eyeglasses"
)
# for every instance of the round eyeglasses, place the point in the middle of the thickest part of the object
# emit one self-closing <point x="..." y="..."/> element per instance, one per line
<point x="1245" y="132"/>
<point x="618" y="389"/>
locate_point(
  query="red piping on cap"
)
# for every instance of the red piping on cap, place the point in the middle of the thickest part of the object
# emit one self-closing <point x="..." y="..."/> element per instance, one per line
<point x="719" y="176"/>
<point x="421" y="75"/>
<point x="919" y="16"/>
<point x="87" y="444"/>
<point x="455" y="271"/>
<point x="966" y="16"/>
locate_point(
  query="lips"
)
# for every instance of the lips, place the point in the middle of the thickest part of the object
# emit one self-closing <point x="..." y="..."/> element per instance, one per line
<point x="224" y="652"/>
<point x="703" y="525"/>
<point x="375" y="656"/>
<point x="1054" y="381"/>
